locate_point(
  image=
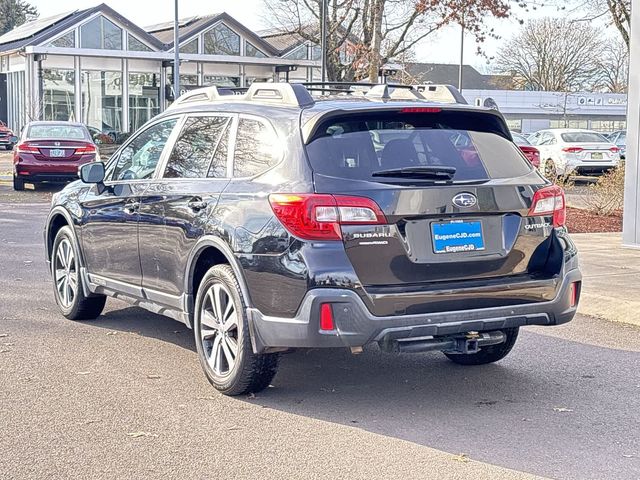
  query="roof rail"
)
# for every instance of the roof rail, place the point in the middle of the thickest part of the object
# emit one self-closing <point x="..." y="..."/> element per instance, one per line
<point x="441" y="93"/>
<point x="205" y="94"/>
<point x="281" y="93"/>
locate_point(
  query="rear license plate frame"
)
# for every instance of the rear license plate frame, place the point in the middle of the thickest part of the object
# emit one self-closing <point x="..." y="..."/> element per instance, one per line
<point x="597" y="156"/>
<point x="457" y="236"/>
<point x="57" y="153"/>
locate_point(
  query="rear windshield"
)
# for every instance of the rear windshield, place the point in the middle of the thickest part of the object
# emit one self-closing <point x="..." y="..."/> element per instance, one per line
<point x="583" y="137"/>
<point x="520" y="140"/>
<point x="61" y="132"/>
<point x="357" y="147"/>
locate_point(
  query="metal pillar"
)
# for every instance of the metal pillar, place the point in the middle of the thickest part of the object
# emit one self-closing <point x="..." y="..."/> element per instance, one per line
<point x="631" y="220"/>
<point x="176" y="50"/>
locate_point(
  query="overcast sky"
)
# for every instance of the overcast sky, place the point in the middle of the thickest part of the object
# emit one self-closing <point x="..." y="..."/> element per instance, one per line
<point x="443" y="47"/>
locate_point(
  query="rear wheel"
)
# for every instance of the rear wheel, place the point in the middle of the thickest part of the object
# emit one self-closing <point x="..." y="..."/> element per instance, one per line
<point x="18" y="183"/>
<point x="489" y="354"/>
<point x="67" y="288"/>
<point x="222" y="337"/>
<point x="8" y="147"/>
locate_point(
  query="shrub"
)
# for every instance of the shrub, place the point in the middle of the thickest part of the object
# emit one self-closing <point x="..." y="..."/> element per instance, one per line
<point x="606" y="196"/>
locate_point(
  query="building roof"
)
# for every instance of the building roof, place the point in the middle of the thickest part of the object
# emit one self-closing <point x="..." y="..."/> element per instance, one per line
<point x="282" y="41"/>
<point x="447" y="74"/>
<point x="190" y="27"/>
<point x="40" y="30"/>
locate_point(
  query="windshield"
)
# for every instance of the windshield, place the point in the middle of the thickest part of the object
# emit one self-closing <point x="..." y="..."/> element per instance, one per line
<point x="62" y="132"/>
<point x="583" y="137"/>
<point x="363" y="146"/>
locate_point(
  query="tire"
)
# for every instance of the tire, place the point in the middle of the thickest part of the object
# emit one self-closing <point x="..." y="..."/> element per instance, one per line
<point x="18" y="183"/>
<point x="220" y="296"/>
<point x="67" y="287"/>
<point x="8" y="147"/>
<point x="489" y="354"/>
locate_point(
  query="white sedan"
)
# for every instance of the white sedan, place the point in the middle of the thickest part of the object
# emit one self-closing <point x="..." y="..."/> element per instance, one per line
<point x="566" y="152"/>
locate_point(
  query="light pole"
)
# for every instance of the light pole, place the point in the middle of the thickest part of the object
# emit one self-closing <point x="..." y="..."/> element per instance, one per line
<point x="461" y="58"/>
<point x="323" y="40"/>
<point x="176" y="58"/>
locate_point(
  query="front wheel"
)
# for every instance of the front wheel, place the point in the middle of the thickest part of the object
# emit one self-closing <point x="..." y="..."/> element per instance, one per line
<point x="222" y="337"/>
<point x="68" y="291"/>
<point x="489" y="354"/>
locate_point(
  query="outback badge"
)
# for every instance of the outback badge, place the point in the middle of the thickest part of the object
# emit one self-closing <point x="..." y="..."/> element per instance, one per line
<point x="465" y="199"/>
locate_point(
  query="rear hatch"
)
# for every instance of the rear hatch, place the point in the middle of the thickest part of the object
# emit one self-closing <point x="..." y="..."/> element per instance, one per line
<point x="456" y="194"/>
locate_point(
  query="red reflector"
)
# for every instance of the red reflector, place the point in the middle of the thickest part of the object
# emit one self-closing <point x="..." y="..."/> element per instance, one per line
<point x="549" y="201"/>
<point x="23" y="173"/>
<point x="573" y="294"/>
<point x="421" y="110"/>
<point x="614" y="149"/>
<point x="326" y="317"/>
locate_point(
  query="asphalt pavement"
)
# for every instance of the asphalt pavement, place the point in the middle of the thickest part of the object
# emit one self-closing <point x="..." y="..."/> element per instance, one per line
<point x="123" y="397"/>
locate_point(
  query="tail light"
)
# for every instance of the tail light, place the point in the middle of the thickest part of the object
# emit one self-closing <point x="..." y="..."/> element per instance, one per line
<point x="550" y="201"/>
<point x="319" y="216"/>
<point x="535" y="158"/>
<point x="614" y="149"/>
<point x="26" y="148"/>
<point x="86" y="149"/>
<point x="572" y="149"/>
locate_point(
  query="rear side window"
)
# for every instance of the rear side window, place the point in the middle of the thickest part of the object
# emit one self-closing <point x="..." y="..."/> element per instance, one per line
<point x="194" y="153"/>
<point x="583" y="137"/>
<point x="359" y="147"/>
<point x="257" y="148"/>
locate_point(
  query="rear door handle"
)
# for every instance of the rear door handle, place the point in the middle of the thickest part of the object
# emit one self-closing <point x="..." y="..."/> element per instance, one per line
<point x="196" y="204"/>
<point x="131" y="207"/>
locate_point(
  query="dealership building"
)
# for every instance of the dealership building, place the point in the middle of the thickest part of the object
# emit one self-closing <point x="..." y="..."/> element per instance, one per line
<point x="97" y="67"/>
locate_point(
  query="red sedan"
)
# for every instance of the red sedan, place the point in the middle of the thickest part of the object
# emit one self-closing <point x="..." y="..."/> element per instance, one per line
<point x="531" y="152"/>
<point x="7" y="139"/>
<point x="51" y="152"/>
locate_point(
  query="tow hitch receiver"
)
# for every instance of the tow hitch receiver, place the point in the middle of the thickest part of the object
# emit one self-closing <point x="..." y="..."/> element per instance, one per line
<point x="468" y="343"/>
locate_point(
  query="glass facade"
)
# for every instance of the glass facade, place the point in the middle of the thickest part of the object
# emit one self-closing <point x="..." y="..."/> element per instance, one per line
<point x="251" y="51"/>
<point x="102" y="100"/>
<point x="136" y="45"/>
<point x="190" y="47"/>
<point x="569" y="124"/>
<point x="59" y="94"/>
<point x="221" y="40"/>
<point x="101" y="33"/>
<point x="68" y="40"/>
<point x="144" y="98"/>
<point x="299" y="53"/>
<point x="221" y="81"/>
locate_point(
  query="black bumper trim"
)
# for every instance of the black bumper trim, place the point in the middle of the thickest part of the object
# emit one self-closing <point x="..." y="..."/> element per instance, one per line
<point x="356" y="326"/>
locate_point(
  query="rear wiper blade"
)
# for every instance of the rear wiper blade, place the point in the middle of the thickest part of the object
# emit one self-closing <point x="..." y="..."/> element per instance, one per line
<point x="430" y="173"/>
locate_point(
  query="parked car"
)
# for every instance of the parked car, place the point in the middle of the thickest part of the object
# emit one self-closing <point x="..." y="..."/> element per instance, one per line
<point x="278" y="220"/>
<point x="531" y="152"/>
<point x="565" y="152"/>
<point x="7" y="137"/>
<point x="619" y="139"/>
<point x="51" y="152"/>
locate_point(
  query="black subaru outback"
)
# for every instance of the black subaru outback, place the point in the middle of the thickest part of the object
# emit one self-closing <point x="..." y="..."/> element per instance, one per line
<point x="279" y="220"/>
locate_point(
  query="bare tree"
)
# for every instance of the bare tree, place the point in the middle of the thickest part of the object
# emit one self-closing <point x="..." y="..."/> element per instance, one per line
<point x="553" y="54"/>
<point x="614" y="67"/>
<point x="618" y="13"/>
<point x="370" y="33"/>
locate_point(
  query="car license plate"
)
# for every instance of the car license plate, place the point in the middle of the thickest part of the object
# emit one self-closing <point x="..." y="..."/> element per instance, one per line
<point x="457" y="236"/>
<point x="56" y="152"/>
<point x="596" y="156"/>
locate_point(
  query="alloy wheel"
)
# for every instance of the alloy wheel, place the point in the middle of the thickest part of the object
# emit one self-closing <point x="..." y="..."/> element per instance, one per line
<point x="66" y="273"/>
<point x="219" y="329"/>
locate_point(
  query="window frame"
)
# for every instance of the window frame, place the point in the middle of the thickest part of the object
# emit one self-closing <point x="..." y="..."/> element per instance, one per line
<point x="180" y="119"/>
<point x="164" y="159"/>
<point x="234" y="136"/>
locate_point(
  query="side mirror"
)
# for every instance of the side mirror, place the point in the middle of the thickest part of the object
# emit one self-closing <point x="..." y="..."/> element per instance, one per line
<point x="92" y="172"/>
<point x="14" y="139"/>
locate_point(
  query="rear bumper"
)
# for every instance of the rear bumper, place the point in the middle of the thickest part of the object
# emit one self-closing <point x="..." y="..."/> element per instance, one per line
<point x="356" y="326"/>
<point x="49" y="177"/>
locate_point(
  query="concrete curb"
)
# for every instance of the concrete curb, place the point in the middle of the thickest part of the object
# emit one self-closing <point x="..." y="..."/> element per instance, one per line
<point x="611" y="278"/>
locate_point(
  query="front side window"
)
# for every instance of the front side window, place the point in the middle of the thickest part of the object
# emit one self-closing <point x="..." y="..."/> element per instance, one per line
<point x="257" y="148"/>
<point x="138" y="160"/>
<point x="221" y="40"/>
<point x="194" y="154"/>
